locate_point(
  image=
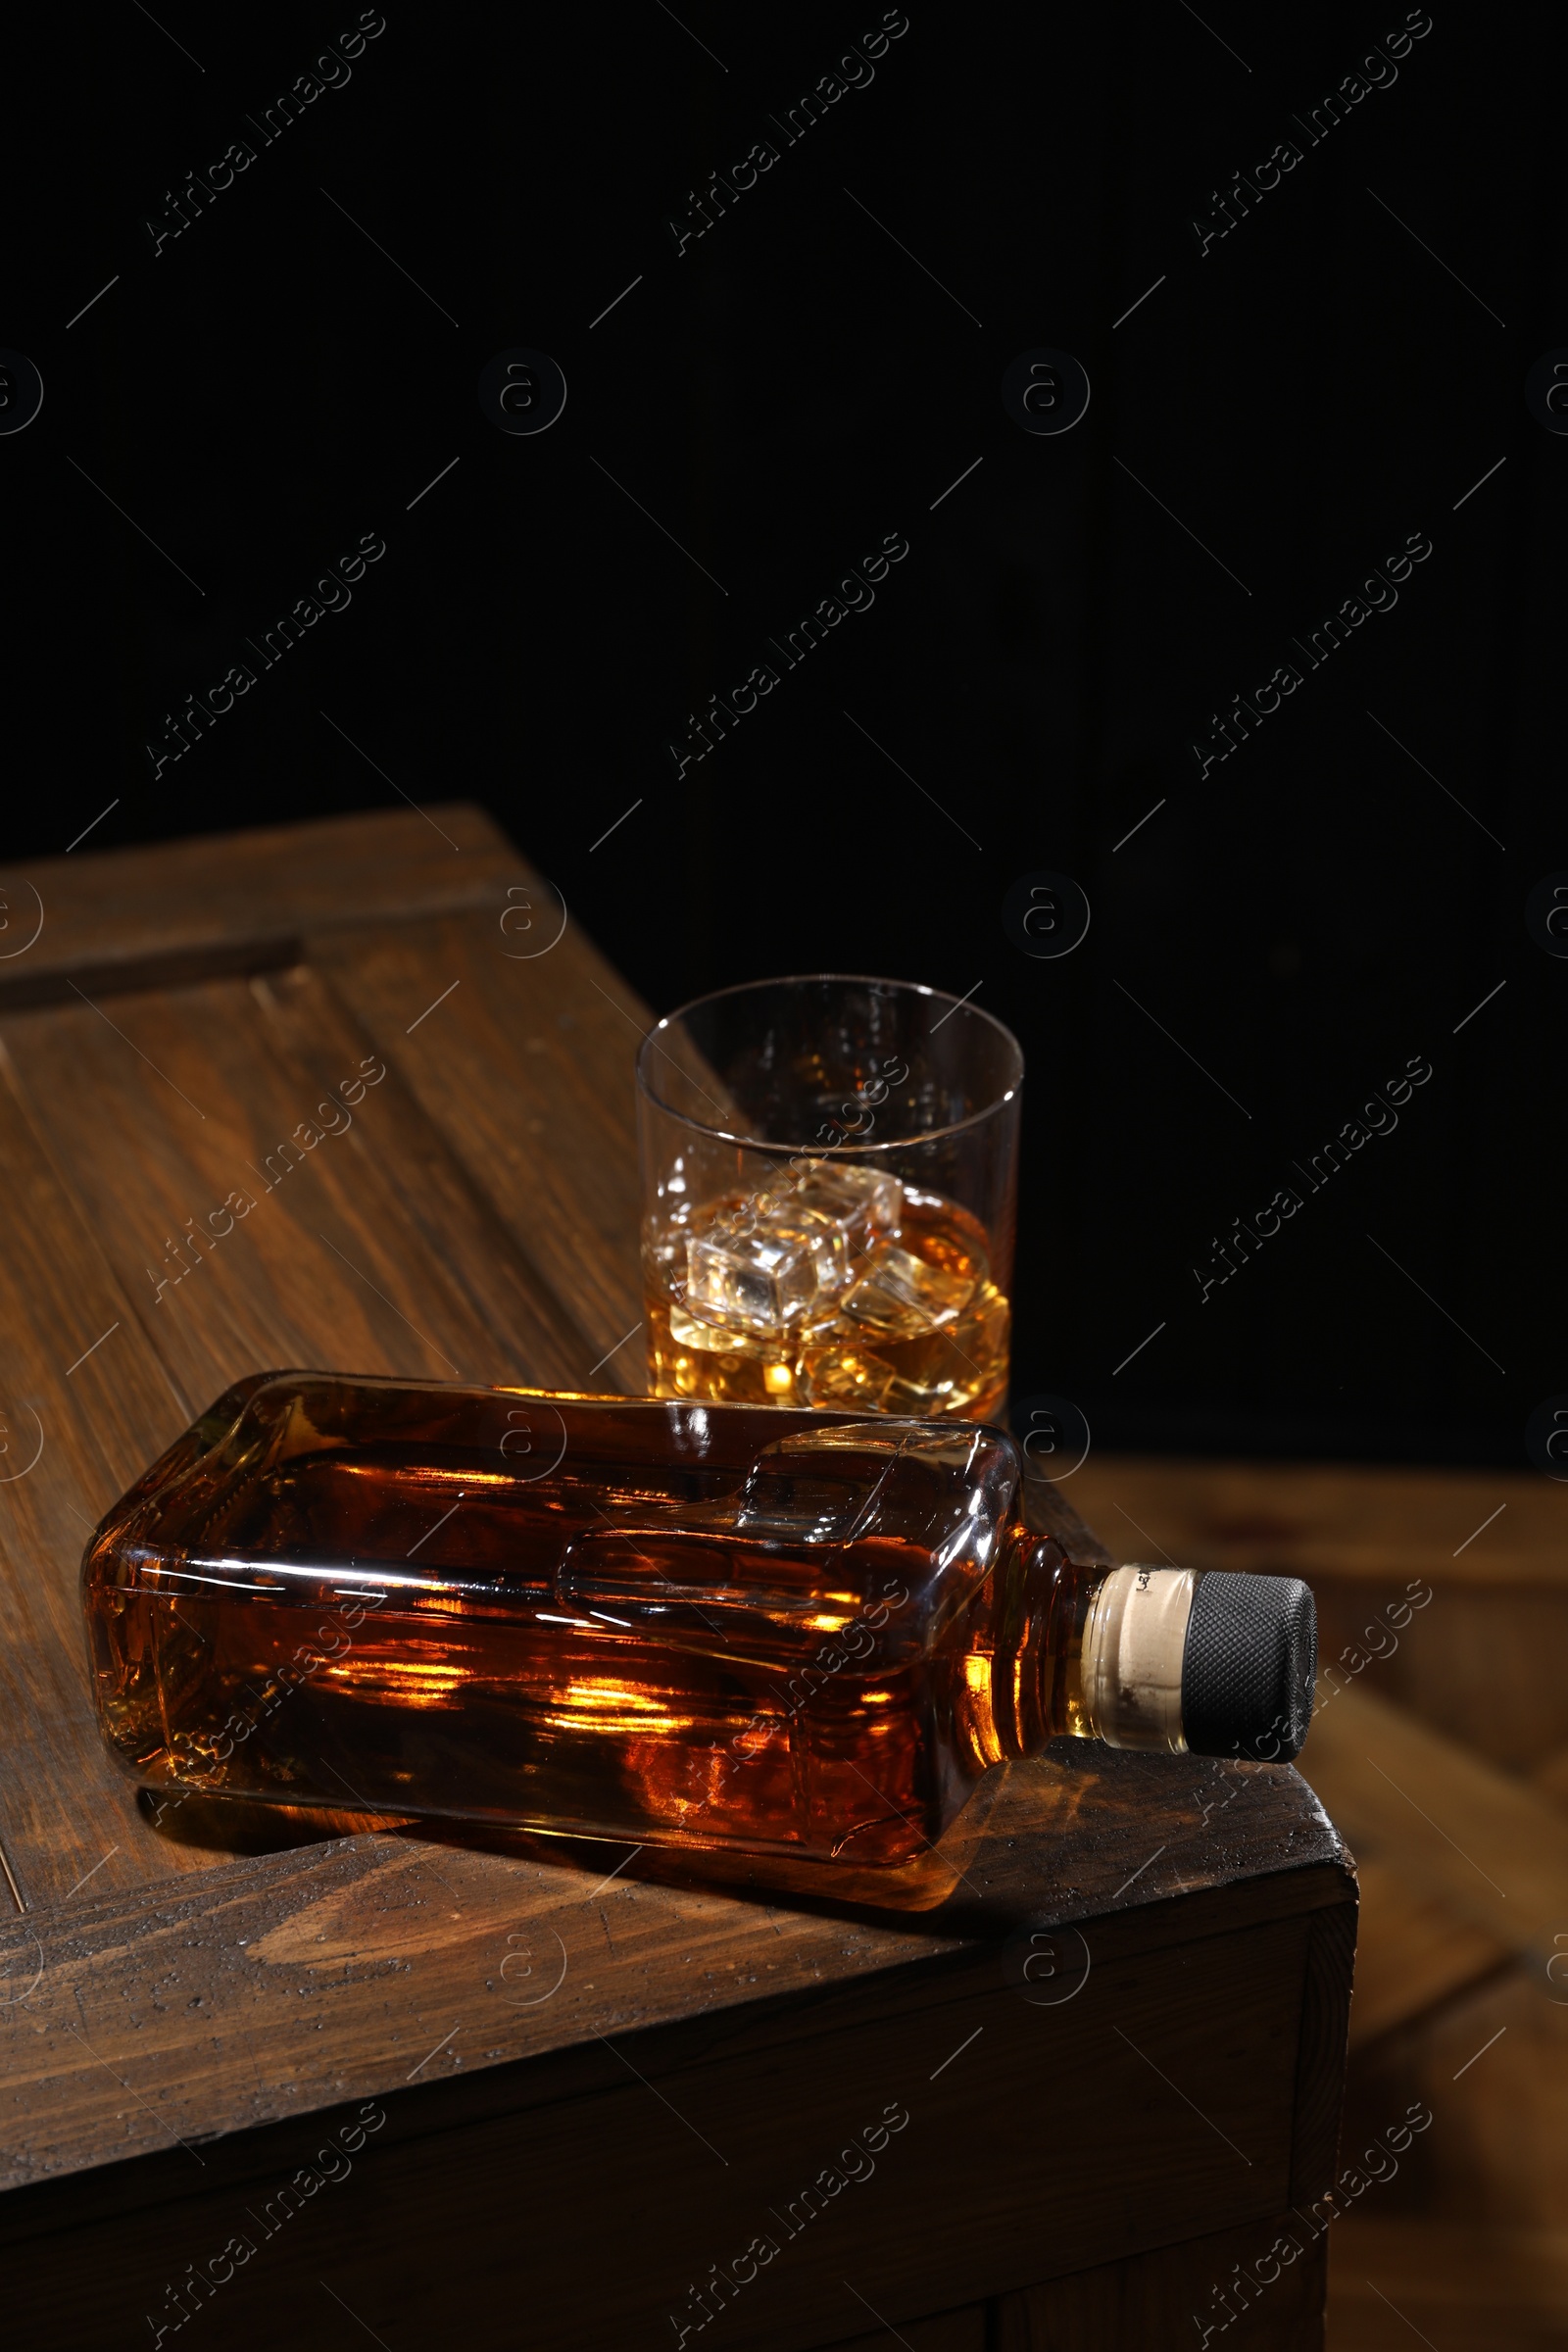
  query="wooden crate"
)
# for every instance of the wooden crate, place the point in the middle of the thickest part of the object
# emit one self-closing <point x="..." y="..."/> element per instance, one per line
<point x="302" y="2081"/>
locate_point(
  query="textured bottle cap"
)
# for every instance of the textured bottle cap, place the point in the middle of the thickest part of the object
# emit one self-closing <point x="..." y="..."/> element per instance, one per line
<point x="1248" y="1667"/>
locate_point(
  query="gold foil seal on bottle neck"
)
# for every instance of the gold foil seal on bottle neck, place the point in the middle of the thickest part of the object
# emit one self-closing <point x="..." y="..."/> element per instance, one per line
<point x="1134" y="1644"/>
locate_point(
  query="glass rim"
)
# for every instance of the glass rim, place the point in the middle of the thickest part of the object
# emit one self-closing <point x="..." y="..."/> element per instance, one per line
<point x="907" y="988"/>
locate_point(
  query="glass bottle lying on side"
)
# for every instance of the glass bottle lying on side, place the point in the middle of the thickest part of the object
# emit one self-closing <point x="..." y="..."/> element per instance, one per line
<point x="710" y="1626"/>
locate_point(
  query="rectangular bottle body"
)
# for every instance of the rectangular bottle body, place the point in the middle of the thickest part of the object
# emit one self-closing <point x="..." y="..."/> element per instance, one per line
<point x="720" y="1626"/>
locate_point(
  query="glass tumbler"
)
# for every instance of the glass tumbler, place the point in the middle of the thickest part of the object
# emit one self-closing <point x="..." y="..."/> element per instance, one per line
<point x="830" y="1176"/>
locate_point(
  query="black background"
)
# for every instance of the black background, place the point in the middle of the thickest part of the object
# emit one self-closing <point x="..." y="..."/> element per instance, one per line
<point x="1305" y="395"/>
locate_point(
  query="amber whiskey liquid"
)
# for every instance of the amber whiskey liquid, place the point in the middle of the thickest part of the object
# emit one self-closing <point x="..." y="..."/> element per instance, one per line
<point x="840" y="1288"/>
<point x="704" y="1625"/>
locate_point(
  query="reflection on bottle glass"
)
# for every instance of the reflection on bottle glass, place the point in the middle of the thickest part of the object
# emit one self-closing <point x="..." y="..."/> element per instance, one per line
<point x="704" y="1625"/>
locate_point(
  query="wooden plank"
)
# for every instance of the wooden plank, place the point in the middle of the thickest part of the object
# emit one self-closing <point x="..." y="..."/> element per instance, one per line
<point x="554" y="1143"/>
<point x="1331" y="1519"/>
<point x="1497" y="1624"/>
<point x="1468" y="2286"/>
<point x="948" y="2332"/>
<point x="198" y="1101"/>
<point x="1482" y="1843"/>
<point x="398" y="1942"/>
<point x="179" y="910"/>
<point x="1163" y="2302"/>
<point x="686" y="2163"/>
<point x="1449" y="1659"/>
<point x="1415" y="1951"/>
<point x="1550" y="1776"/>
<point x="85" y="1406"/>
<point x="536" y="1332"/>
<point x="1320" y="2052"/>
<point x="1492" y="2066"/>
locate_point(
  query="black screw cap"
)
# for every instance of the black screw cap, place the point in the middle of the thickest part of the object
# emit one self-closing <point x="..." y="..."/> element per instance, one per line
<point x="1250" y="1667"/>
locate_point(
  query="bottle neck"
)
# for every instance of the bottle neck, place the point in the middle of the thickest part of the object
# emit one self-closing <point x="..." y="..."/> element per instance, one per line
<point x="1083" y="1652"/>
<point x="1131" y="1657"/>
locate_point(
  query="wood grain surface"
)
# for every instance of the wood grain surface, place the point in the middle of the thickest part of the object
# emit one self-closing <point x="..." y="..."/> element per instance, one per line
<point x="1174" y="2062"/>
<point x="947" y="2331"/>
<point x="156" y="916"/>
<point x="1380" y="1525"/>
<point x="360" y="1094"/>
<point x="1441" y="1747"/>
<point x="1461" y="2285"/>
<point x="1479" y="1840"/>
<point x="1126" y="2306"/>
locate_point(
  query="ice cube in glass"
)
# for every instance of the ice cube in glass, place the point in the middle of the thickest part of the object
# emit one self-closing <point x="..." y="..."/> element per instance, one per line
<point x="843" y="1212"/>
<point x="708" y="1339"/>
<point x="835" y="1189"/>
<point x="756" y="1277"/>
<point x="848" y="1374"/>
<point x="903" y="1294"/>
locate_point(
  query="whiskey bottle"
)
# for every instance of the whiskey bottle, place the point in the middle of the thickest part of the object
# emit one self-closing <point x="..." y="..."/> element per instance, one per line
<point x="729" y="1627"/>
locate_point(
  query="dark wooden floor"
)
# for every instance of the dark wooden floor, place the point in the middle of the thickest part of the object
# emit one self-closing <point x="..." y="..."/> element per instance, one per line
<point x="1444" y="1760"/>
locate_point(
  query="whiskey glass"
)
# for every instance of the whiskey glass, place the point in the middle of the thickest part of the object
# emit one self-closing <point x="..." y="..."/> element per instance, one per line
<point x="830" y="1173"/>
